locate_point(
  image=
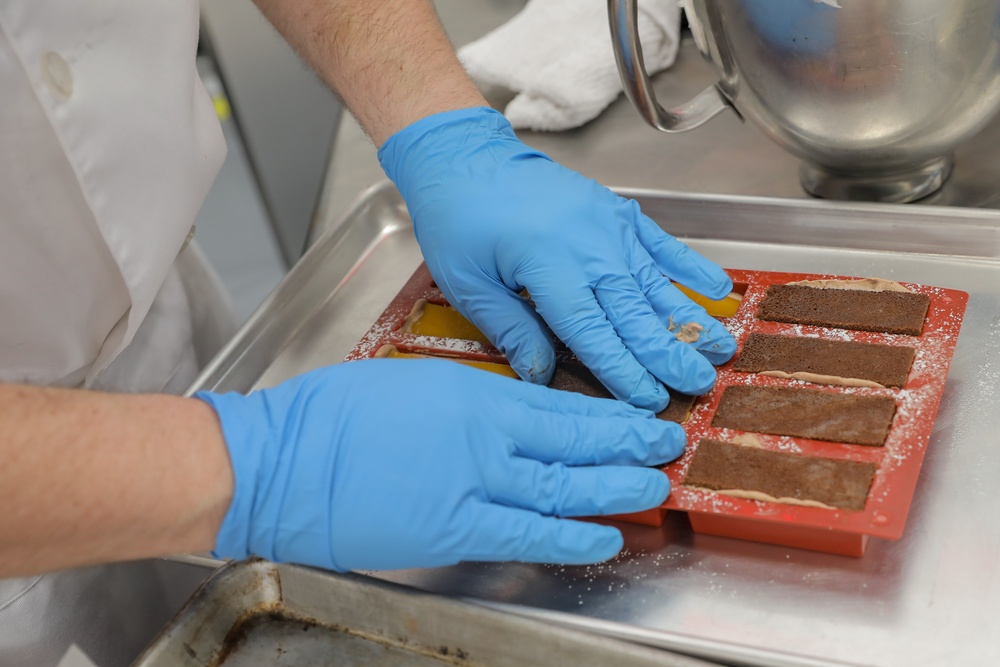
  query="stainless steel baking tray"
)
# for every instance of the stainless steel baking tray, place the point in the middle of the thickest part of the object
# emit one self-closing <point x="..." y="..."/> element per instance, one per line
<point x="927" y="599"/>
<point x="254" y="613"/>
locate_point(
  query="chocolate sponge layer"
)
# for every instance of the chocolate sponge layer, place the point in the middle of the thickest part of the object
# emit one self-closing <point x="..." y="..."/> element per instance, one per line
<point x="887" y="365"/>
<point x="574" y="376"/>
<point x="721" y="465"/>
<point x="806" y="413"/>
<point x="888" y="312"/>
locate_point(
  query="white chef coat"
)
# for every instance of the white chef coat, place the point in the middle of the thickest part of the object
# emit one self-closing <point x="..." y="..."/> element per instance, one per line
<point x="108" y="146"/>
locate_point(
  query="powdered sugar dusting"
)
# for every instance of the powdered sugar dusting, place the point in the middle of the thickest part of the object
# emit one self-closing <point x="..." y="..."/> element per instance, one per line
<point x="898" y="459"/>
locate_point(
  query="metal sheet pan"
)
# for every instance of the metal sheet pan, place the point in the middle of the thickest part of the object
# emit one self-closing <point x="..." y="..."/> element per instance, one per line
<point x="927" y="599"/>
<point x="255" y="613"/>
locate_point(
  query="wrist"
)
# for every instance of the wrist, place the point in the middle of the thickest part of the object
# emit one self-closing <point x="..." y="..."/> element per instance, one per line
<point x="236" y="419"/>
<point x="420" y="108"/>
<point x="439" y="139"/>
<point x="216" y="491"/>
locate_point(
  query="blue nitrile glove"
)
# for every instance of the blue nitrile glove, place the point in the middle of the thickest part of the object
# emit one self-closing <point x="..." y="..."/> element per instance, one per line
<point x="494" y="216"/>
<point x="393" y="463"/>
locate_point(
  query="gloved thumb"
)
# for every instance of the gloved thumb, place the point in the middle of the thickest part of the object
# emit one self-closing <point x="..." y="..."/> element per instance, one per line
<point x="511" y="322"/>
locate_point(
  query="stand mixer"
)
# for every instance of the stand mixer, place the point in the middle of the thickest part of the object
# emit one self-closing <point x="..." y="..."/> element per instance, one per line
<point x="871" y="95"/>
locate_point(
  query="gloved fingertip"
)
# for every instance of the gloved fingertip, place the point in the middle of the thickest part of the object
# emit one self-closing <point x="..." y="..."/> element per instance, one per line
<point x="670" y="442"/>
<point x="534" y="364"/>
<point x="649" y="394"/>
<point x="721" y="351"/>
<point x="647" y="488"/>
<point x="657" y="488"/>
<point x="716" y="344"/>
<point x="519" y="332"/>
<point x="713" y="280"/>
<point x="722" y="288"/>
<point x="701" y="378"/>
<point x="602" y="543"/>
<point x="705" y="383"/>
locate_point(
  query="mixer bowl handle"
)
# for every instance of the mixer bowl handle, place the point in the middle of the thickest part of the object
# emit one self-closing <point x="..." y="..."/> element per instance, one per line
<point x="623" y="16"/>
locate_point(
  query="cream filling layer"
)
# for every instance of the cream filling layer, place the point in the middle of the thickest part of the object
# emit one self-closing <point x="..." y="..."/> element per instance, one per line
<point x="758" y="495"/>
<point x="862" y="284"/>
<point x="817" y="378"/>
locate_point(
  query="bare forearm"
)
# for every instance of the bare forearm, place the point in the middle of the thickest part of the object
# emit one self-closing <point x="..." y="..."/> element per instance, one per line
<point x="88" y="477"/>
<point x="390" y="62"/>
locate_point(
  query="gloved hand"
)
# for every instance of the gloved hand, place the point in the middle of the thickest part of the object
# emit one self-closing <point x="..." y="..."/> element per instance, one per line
<point x="494" y="217"/>
<point x="387" y="464"/>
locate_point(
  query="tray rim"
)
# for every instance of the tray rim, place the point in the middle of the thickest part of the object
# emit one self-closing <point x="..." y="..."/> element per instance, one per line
<point x="242" y="590"/>
<point x="332" y="251"/>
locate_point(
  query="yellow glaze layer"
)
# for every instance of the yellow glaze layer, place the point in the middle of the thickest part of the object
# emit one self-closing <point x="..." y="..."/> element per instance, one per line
<point x="445" y="322"/>
<point x="499" y="369"/>
<point x="725" y="307"/>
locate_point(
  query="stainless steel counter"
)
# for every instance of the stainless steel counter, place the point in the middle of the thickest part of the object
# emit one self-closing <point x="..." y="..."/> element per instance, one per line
<point x="725" y="156"/>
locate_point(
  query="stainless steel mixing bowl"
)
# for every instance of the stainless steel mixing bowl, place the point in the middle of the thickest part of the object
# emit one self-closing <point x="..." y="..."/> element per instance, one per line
<point x="872" y="95"/>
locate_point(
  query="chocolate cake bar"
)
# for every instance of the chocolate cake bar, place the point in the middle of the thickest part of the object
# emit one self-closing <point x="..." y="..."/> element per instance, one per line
<point x="887" y="365"/>
<point x="806" y="413"/>
<point x="886" y="311"/>
<point x="726" y="466"/>
<point x="574" y="376"/>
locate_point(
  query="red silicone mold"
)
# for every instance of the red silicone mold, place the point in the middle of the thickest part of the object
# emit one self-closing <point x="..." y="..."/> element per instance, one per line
<point x="830" y="530"/>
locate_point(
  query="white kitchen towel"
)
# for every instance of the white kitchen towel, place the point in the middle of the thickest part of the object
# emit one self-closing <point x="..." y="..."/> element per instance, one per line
<point x="556" y="56"/>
